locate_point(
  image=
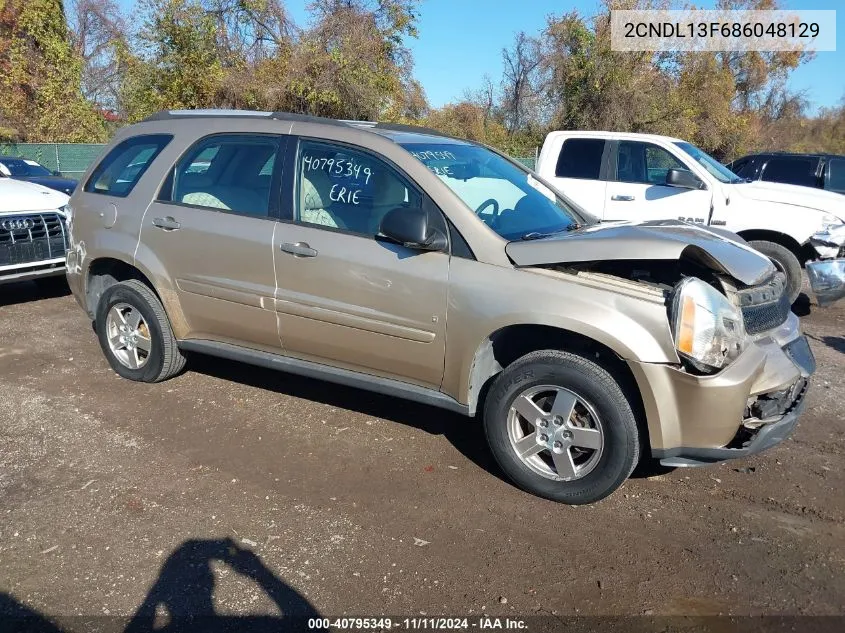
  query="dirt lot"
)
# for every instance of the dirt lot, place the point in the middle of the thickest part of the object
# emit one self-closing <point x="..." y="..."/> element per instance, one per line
<point x="240" y="490"/>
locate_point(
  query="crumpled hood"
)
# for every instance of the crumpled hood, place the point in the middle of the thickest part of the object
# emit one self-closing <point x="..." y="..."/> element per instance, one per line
<point x="18" y="196"/>
<point x="653" y="240"/>
<point x="826" y="201"/>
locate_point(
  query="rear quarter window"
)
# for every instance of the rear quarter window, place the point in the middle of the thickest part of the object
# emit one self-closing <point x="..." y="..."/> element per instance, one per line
<point x="122" y="168"/>
<point x="580" y="158"/>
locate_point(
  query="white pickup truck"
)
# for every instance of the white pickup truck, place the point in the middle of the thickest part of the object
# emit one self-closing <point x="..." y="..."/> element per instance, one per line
<point x="619" y="176"/>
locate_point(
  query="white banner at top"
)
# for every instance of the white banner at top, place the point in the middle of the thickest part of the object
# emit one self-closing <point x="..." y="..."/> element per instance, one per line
<point x="713" y="30"/>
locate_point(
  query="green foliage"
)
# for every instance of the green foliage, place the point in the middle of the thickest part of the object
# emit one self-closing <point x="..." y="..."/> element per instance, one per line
<point x="178" y="66"/>
<point x="40" y="76"/>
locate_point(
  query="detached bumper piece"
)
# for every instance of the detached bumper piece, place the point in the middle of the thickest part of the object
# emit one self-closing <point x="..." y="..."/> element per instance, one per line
<point x="827" y="280"/>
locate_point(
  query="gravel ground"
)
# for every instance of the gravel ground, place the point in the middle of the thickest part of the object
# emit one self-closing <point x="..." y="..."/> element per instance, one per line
<point x="237" y="491"/>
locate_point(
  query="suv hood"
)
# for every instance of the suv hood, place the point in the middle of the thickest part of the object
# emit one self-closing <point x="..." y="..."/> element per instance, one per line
<point x="653" y="240"/>
<point x="808" y="197"/>
<point x="18" y="195"/>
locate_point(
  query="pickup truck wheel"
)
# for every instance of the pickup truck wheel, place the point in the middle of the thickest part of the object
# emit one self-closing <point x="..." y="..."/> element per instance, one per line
<point x="786" y="261"/>
<point x="135" y="334"/>
<point x="561" y="427"/>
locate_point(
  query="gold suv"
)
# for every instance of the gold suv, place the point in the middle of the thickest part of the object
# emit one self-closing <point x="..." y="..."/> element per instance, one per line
<point x="402" y="261"/>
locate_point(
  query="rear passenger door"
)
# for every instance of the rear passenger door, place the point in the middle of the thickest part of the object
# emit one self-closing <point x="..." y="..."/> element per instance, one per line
<point x="578" y="172"/>
<point x="347" y="297"/>
<point x="212" y="228"/>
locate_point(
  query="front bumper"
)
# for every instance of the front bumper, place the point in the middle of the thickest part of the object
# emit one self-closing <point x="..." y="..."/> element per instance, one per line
<point x="39" y="270"/>
<point x="746" y="408"/>
<point x="827" y="280"/>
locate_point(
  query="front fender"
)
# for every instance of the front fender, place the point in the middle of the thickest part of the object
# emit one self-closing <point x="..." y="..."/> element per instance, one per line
<point x="799" y="223"/>
<point x="623" y="316"/>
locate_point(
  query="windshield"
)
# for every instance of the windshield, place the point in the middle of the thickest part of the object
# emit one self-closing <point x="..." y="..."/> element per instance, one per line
<point x="713" y="166"/>
<point x="506" y="197"/>
<point x="23" y="168"/>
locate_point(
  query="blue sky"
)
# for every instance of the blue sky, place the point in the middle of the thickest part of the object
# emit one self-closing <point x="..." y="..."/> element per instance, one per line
<point x="461" y="40"/>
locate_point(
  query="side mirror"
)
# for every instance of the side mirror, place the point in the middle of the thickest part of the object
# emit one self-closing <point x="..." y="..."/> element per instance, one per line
<point x="410" y="228"/>
<point x="57" y="173"/>
<point x="683" y="179"/>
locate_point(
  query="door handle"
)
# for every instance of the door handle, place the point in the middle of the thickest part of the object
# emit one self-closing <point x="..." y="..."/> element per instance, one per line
<point x="300" y="249"/>
<point x="621" y="198"/>
<point x="168" y="223"/>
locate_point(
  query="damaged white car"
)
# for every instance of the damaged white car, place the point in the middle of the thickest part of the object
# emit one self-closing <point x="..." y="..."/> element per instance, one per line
<point x="619" y="176"/>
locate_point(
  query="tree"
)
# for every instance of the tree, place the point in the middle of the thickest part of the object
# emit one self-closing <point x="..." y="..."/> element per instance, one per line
<point x="177" y="64"/>
<point x="40" y="76"/>
<point x="353" y="63"/>
<point x="98" y="34"/>
<point x="520" y="82"/>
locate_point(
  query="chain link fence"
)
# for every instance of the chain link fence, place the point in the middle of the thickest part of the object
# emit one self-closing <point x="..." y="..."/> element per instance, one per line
<point x="69" y="159"/>
<point x="72" y="159"/>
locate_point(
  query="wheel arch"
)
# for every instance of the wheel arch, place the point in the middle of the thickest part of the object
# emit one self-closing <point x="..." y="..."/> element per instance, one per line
<point x="103" y="272"/>
<point x="802" y="252"/>
<point x="511" y="342"/>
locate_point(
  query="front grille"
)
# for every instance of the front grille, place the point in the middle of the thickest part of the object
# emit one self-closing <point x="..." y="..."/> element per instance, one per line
<point x="766" y="306"/>
<point x="31" y="238"/>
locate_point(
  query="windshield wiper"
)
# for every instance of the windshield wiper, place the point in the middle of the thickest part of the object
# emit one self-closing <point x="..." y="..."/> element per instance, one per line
<point x="536" y="235"/>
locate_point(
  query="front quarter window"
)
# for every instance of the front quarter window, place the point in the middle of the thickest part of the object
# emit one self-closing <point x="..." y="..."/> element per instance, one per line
<point x="506" y="197"/>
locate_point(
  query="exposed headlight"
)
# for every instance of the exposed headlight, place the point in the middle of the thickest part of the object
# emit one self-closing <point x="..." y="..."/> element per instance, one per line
<point x="708" y="329"/>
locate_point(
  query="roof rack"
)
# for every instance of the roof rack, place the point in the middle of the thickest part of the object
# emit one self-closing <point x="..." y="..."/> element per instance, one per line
<point x="167" y="115"/>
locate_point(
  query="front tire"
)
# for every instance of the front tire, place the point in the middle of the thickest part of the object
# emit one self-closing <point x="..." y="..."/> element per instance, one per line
<point x="135" y="334"/>
<point x="786" y="261"/>
<point x="561" y="427"/>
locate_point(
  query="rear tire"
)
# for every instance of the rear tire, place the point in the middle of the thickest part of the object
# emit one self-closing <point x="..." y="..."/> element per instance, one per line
<point x="786" y="261"/>
<point x="135" y="334"/>
<point x="594" y="468"/>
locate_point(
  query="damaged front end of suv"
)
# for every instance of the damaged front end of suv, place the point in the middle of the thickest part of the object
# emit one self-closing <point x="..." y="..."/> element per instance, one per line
<point x="743" y="367"/>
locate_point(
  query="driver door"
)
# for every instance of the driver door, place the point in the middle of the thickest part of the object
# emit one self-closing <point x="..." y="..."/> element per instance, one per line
<point x="345" y="296"/>
<point x="639" y="191"/>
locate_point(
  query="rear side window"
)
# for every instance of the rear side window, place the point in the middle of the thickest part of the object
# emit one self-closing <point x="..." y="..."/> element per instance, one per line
<point x="836" y="175"/>
<point x="580" y="158"/>
<point x="792" y="171"/>
<point x="121" y="169"/>
<point x="232" y="172"/>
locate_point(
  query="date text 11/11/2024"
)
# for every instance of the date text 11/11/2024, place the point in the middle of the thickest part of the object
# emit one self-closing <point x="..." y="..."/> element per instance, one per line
<point x="721" y="29"/>
<point x="418" y="623"/>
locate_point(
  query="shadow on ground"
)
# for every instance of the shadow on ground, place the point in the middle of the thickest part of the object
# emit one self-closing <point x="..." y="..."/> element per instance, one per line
<point x="833" y="342"/>
<point x="26" y="291"/>
<point x="182" y="599"/>
<point x="466" y="435"/>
